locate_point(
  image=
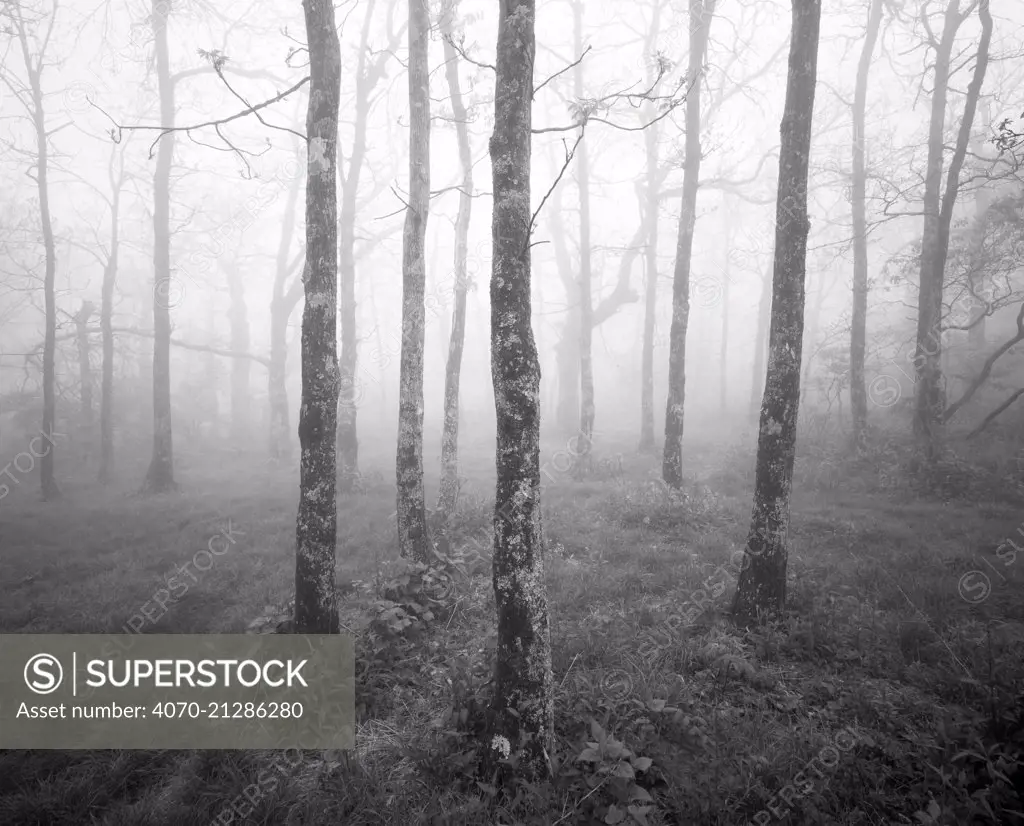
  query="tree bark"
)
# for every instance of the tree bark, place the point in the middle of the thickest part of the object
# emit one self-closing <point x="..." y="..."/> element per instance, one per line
<point x="316" y="600"/>
<point x="160" y="476"/>
<point x="761" y="588"/>
<point x="523" y="702"/>
<point x="413" y="539"/>
<point x="938" y="215"/>
<point x="858" y="198"/>
<point x="449" y="494"/>
<point x="701" y="14"/>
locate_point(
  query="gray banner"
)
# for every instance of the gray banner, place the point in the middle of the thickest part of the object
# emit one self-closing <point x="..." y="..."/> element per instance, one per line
<point x="176" y="691"/>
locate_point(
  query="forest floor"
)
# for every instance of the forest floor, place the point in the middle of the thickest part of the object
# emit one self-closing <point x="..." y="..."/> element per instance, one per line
<point x="891" y="692"/>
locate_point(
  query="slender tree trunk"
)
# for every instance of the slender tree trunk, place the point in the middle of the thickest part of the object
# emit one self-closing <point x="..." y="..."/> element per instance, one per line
<point x="761" y="588"/>
<point x="723" y="358"/>
<point x="240" y="368"/>
<point x="764" y="316"/>
<point x="413" y="540"/>
<point x="85" y="371"/>
<point x="701" y="14"/>
<point x="523" y="702"/>
<point x="650" y="207"/>
<point x="585" y="436"/>
<point x="348" y="434"/>
<point x="567" y="350"/>
<point x="160" y="476"/>
<point x="106" y="325"/>
<point x="982" y="202"/>
<point x="938" y="215"/>
<point x="651" y="210"/>
<point x="448" y="497"/>
<point x="281" y="305"/>
<point x="316" y="529"/>
<point x="34" y="69"/>
<point x="812" y="339"/>
<point x="858" y="198"/>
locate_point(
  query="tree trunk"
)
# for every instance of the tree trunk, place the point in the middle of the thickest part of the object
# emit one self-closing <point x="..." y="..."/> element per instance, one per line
<point x="448" y="497"/>
<point x="413" y="540"/>
<point x="281" y="305"/>
<point x="567" y="350"/>
<point x="761" y="588"/>
<point x="240" y="368"/>
<point x="523" y="702"/>
<point x="982" y="202"/>
<point x="316" y="528"/>
<point x="650" y="206"/>
<point x="584" y="438"/>
<point x="764" y="315"/>
<point x="160" y="476"/>
<point x="47" y="477"/>
<point x="651" y="209"/>
<point x="348" y="434"/>
<point x="938" y="215"/>
<point x="723" y="358"/>
<point x="701" y="14"/>
<point x="106" y="324"/>
<point x="858" y="198"/>
<point x="85" y="370"/>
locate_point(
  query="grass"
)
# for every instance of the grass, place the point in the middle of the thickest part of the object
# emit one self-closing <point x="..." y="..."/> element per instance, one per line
<point x="883" y="696"/>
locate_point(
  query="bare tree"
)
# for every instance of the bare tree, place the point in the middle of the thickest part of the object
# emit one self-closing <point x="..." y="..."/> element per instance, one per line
<point x="316" y="600"/>
<point x="523" y="703"/>
<point x="585" y="436"/>
<point x="762" y="583"/>
<point x="938" y="211"/>
<point x="858" y="329"/>
<point x="32" y="30"/>
<point x="701" y="14"/>
<point x="413" y="539"/>
<point x="370" y="70"/>
<point x="449" y="493"/>
<point x="160" y="476"/>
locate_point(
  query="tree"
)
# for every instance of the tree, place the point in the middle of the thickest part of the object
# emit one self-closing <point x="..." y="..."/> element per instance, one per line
<point x="762" y="582"/>
<point x="413" y="539"/>
<point x="858" y="329"/>
<point x="448" y="496"/>
<point x="701" y="13"/>
<point x="523" y="704"/>
<point x="284" y="298"/>
<point x="160" y="476"/>
<point x="316" y="601"/>
<point x="584" y="438"/>
<point x="32" y="32"/>
<point x="938" y="212"/>
<point x="370" y="70"/>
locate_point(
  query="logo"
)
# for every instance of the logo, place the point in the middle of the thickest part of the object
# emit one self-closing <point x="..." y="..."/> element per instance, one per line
<point x="43" y="674"/>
